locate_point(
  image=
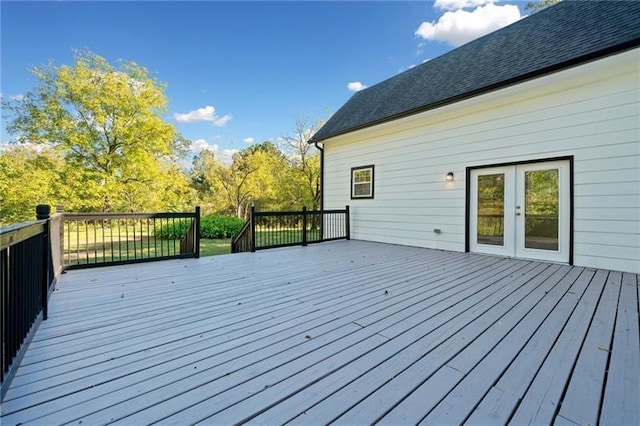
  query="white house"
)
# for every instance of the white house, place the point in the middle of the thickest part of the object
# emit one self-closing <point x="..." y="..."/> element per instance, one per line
<point x="522" y="143"/>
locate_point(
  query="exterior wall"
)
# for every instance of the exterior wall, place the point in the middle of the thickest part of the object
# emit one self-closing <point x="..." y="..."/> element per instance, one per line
<point x="590" y="112"/>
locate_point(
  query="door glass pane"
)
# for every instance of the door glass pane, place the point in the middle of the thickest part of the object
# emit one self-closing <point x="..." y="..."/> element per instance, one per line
<point x="541" y="209"/>
<point x="490" y="218"/>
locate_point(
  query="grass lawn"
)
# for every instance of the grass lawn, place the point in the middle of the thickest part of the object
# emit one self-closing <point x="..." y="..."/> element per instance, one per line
<point x="89" y="244"/>
<point x="214" y="247"/>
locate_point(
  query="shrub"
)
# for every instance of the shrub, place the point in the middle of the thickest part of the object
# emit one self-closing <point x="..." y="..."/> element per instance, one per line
<point x="213" y="227"/>
<point x="216" y="226"/>
<point x="172" y="230"/>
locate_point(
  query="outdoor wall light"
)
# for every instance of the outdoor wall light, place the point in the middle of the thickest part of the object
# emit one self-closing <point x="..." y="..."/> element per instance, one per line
<point x="449" y="176"/>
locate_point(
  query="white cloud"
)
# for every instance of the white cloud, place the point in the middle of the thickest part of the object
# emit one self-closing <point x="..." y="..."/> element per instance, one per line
<point x="460" y="27"/>
<point x="356" y="86"/>
<point x="208" y="113"/>
<point x="199" y="145"/>
<point x="459" y="4"/>
<point x="18" y="97"/>
<point x="248" y="140"/>
<point x="224" y="155"/>
<point x="408" y="67"/>
<point x="222" y="121"/>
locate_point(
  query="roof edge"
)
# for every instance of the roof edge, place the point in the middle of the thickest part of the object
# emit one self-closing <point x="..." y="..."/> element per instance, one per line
<point x="609" y="51"/>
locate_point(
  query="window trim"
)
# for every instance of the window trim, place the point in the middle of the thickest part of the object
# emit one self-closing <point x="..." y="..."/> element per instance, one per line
<point x="353" y="172"/>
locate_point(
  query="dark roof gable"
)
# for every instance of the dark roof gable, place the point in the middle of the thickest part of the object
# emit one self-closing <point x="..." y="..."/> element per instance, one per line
<point x="561" y="36"/>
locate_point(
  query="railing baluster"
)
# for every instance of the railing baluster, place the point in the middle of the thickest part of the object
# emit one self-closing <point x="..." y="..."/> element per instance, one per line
<point x="148" y="239"/>
<point x="103" y="244"/>
<point x="173" y="227"/>
<point x="133" y="227"/>
<point x="304" y="226"/>
<point x="126" y="232"/>
<point x="111" y="237"/>
<point x="119" y="241"/>
<point x="78" y="242"/>
<point x="67" y="244"/>
<point x="155" y="238"/>
<point x="91" y="246"/>
<point x="25" y="263"/>
<point x="86" y="239"/>
<point x="278" y="229"/>
<point x="161" y="241"/>
<point x="141" y="240"/>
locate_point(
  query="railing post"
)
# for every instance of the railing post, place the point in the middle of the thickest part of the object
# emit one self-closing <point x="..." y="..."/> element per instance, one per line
<point x="304" y="226"/>
<point x="347" y="223"/>
<point x="43" y="213"/>
<point x="253" y="228"/>
<point x="196" y="241"/>
<point x="321" y="224"/>
<point x="60" y="211"/>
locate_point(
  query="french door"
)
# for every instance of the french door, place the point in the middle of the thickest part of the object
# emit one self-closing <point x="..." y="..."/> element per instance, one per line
<point x="521" y="211"/>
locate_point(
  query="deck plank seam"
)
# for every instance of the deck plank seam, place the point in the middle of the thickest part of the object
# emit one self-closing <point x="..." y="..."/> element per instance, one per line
<point x="555" y="302"/>
<point x="434" y="346"/>
<point x="412" y="316"/>
<point x="570" y="280"/>
<point x="609" y="351"/>
<point x="519" y="319"/>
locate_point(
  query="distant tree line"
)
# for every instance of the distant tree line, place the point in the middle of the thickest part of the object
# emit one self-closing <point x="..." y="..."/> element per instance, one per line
<point x="91" y="137"/>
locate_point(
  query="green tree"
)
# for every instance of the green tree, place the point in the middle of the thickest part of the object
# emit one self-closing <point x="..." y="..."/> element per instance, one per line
<point x="204" y="164"/>
<point x="304" y="160"/>
<point x="536" y="6"/>
<point x="105" y="122"/>
<point x="253" y="178"/>
<point x="28" y="177"/>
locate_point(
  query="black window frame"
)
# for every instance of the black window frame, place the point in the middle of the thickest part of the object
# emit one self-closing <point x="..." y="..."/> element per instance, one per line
<point x="359" y="168"/>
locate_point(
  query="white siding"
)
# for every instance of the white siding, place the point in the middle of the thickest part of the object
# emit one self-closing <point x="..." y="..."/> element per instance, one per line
<point x="590" y="112"/>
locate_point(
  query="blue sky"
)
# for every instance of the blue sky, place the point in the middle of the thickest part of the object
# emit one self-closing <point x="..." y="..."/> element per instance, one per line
<point x="242" y="72"/>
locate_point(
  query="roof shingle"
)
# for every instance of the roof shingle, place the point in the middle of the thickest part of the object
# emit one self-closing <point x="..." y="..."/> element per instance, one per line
<point x="559" y="37"/>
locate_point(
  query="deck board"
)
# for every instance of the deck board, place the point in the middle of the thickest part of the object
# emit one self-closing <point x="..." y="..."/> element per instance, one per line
<point x="350" y="331"/>
<point x="503" y="398"/>
<point x="623" y="380"/>
<point x="543" y="398"/>
<point x="437" y="351"/>
<point x="581" y="402"/>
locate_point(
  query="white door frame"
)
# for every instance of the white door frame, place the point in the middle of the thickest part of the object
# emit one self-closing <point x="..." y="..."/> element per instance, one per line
<point x="508" y="220"/>
<point x="514" y="219"/>
<point x="562" y="254"/>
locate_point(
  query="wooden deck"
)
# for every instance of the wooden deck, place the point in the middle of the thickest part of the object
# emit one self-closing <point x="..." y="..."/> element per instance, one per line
<point x="347" y="332"/>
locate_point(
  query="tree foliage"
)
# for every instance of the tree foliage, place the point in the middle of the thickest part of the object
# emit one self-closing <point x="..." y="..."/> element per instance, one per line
<point x="105" y="122"/>
<point x="538" y="5"/>
<point x="91" y="136"/>
<point x="304" y="160"/>
<point x="255" y="177"/>
<point x="27" y="178"/>
<point x="271" y="177"/>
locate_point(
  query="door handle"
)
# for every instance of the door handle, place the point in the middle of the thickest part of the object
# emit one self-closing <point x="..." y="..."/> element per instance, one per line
<point x="517" y="213"/>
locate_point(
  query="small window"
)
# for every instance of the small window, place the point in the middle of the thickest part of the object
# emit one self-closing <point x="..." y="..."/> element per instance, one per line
<point x="362" y="182"/>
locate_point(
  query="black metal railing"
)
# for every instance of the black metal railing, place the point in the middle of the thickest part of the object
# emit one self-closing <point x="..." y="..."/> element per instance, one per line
<point x="34" y="254"/>
<point x="281" y="229"/>
<point x="100" y="239"/>
<point x="28" y="274"/>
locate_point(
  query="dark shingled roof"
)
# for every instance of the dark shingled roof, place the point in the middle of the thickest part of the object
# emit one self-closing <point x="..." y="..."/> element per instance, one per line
<point x="559" y="37"/>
